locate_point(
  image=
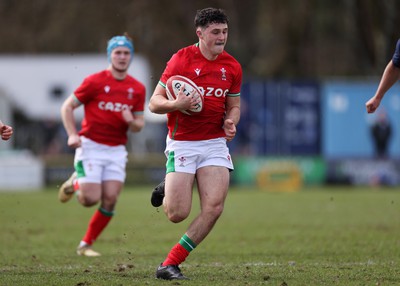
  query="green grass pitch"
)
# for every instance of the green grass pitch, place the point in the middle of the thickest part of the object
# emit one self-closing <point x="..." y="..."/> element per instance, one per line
<point x="317" y="236"/>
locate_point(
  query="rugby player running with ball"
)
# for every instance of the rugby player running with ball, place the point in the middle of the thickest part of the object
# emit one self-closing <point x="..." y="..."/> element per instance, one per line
<point x="196" y="145"/>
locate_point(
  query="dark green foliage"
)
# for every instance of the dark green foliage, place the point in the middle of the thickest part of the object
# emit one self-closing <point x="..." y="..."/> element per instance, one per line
<point x="271" y="38"/>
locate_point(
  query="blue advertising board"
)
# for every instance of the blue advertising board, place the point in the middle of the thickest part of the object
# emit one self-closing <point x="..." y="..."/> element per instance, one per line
<point x="346" y="126"/>
<point x="279" y="118"/>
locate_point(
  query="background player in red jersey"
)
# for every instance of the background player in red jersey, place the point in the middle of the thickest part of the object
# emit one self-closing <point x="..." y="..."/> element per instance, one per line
<point x="6" y="131"/>
<point x="113" y="103"/>
<point x="196" y="144"/>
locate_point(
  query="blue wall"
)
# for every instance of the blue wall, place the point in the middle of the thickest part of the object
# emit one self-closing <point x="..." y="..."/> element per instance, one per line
<point x="345" y="122"/>
<point x="308" y="118"/>
<point x="279" y="118"/>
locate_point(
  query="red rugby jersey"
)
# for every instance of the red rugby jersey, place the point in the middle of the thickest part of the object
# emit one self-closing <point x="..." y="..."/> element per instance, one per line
<point x="104" y="97"/>
<point x="217" y="79"/>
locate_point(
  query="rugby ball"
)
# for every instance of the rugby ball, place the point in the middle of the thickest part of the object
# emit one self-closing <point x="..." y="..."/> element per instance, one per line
<point x="174" y="84"/>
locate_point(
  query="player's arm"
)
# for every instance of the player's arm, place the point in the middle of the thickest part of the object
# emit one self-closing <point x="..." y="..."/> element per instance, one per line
<point x="232" y="116"/>
<point x="137" y="124"/>
<point x="135" y="121"/>
<point x="389" y="78"/>
<point x="159" y="102"/>
<point x="68" y="119"/>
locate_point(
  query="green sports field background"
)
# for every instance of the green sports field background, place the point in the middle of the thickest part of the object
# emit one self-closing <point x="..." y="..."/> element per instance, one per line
<point x="317" y="236"/>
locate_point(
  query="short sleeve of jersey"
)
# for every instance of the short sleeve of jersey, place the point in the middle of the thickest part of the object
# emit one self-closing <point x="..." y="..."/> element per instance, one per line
<point x="85" y="91"/>
<point x="396" y="56"/>
<point x="139" y="106"/>
<point x="172" y="68"/>
<point x="237" y="83"/>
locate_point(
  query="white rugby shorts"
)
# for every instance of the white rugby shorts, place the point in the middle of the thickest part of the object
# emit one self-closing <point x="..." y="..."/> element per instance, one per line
<point x="95" y="162"/>
<point x="188" y="156"/>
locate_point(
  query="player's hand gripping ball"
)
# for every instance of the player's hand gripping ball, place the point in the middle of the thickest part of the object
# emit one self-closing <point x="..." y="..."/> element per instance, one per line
<point x="174" y="84"/>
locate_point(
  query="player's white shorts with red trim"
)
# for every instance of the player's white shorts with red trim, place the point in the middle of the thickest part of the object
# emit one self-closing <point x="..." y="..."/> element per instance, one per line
<point x="188" y="156"/>
<point x="95" y="162"/>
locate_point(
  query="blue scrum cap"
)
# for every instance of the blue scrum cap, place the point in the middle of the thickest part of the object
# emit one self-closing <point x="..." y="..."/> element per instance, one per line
<point x="119" y="41"/>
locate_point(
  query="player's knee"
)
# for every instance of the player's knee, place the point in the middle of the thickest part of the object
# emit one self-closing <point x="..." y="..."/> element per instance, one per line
<point x="215" y="211"/>
<point x="177" y="217"/>
<point x="88" y="201"/>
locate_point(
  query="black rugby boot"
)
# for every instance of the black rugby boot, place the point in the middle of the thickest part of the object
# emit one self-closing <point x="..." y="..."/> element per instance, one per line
<point x="158" y="195"/>
<point x="169" y="272"/>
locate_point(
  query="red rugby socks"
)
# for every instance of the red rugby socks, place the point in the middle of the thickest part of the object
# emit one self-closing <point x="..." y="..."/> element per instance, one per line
<point x="97" y="223"/>
<point x="180" y="251"/>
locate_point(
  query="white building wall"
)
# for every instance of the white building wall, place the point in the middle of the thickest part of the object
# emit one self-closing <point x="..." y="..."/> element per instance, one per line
<point x="29" y="81"/>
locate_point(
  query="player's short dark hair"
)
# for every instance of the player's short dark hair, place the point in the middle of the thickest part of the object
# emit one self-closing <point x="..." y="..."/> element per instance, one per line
<point x="207" y="16"/>
<point x="126" y="34"/>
